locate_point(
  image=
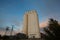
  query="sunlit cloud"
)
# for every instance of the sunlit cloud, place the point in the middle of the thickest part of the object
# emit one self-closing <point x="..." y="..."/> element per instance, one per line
<point x="43" y="24"/>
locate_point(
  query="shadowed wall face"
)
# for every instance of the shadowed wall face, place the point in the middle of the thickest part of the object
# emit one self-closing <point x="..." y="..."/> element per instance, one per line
<point x="31" y="24"/>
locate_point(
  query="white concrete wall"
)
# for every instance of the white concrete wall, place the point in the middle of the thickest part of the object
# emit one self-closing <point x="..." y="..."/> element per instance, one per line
<point x="31" y="24"/>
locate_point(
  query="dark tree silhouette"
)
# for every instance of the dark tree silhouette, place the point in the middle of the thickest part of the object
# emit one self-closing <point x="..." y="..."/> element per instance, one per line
<point x="0" y="37"/>
<point x="7" y="28"/>
<point x="5" y="37"/>
<point x="21" y="36"/>
<point x="53" y="30"/>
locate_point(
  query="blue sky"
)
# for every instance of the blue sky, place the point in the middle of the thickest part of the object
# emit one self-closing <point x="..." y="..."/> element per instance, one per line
<point x="12" y="11"/>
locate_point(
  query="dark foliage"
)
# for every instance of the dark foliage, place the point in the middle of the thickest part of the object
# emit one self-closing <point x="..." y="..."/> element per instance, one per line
<point x="21" y="36"/>
<point x="53" y="30"/>
<point x="0" y="37"/>
<point x="5" y="37"/>
<point x="14" y="37"/>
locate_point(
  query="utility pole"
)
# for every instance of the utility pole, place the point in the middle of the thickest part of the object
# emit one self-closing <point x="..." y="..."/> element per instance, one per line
<point x="11" y="30"/>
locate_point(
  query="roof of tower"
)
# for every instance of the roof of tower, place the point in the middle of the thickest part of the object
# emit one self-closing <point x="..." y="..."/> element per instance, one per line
<point x="31" y="11"/>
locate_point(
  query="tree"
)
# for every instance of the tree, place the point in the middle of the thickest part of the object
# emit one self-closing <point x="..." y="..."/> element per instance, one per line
<point x="0" y="37"/>
<point x="21" y="36"/>
<point x="53" y="30"/>
<point x="5" y="37"/>
<point x="7" y="28"/>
